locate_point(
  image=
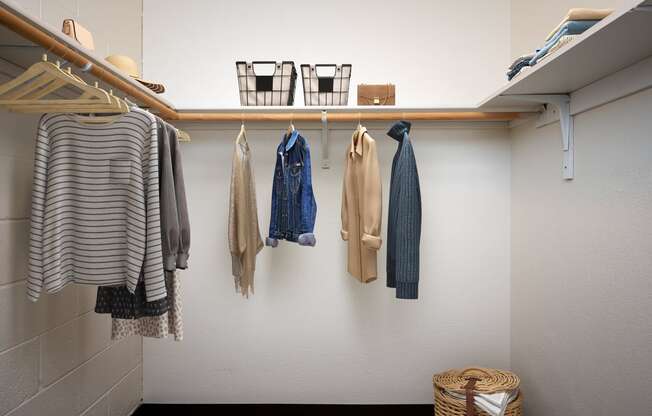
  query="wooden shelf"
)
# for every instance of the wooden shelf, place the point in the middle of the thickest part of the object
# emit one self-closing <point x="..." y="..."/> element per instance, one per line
<point x="618" y="41"/>
<point x="23" y="39"/>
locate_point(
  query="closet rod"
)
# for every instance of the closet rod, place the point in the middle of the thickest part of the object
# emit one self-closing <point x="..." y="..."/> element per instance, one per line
<point x="37" y="35"/>
<point x="349" y="116"/>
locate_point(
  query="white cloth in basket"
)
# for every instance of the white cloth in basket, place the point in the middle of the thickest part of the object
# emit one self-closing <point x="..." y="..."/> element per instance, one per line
<point x="495" y="403"/>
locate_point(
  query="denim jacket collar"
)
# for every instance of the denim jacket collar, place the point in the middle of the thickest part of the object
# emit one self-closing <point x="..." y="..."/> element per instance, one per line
<point x="399" y="130"/>
<point x="291" y="140"/>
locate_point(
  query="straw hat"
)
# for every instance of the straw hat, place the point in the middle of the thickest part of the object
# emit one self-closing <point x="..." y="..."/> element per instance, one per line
<point x="128" y="66"/>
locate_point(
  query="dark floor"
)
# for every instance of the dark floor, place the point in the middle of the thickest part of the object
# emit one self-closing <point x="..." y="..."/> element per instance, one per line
<point x="149" y="409"/>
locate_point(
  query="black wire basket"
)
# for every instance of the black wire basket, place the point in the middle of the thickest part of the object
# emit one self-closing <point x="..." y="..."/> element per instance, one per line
<point x="275" y="88"/>
<point x="326" y="84"/>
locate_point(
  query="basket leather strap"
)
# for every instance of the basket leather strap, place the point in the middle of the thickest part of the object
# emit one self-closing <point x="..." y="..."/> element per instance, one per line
<point x="468" y="388"/>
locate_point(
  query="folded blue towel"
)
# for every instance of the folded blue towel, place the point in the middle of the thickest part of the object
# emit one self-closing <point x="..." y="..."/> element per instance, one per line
<point x="573" y="27"/>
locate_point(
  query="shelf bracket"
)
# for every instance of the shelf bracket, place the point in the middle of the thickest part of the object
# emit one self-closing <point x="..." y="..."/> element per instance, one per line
<point x="562" y="102"/>
<point x="325" y="162"/>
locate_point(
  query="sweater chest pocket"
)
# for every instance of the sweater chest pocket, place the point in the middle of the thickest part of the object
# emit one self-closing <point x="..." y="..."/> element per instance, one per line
<point x="120" y="171"/>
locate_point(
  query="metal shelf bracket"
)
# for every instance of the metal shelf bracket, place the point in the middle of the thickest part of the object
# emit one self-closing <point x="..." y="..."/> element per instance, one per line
<point x="325" y="162"/>
<point x="562" y="102"/>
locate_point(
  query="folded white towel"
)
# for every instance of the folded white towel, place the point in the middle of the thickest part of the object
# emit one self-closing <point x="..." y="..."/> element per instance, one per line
<point x="495" y="403"/>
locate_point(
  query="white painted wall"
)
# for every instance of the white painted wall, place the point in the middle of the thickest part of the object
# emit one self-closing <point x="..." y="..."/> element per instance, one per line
<point x="312" y="333"/>
<point x="438" y="53"/>
<point x="581" y="287"/>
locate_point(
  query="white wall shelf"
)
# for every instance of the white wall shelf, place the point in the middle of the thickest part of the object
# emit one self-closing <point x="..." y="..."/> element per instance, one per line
<point x="23" y="39"/>
<point x="617" y="42"/>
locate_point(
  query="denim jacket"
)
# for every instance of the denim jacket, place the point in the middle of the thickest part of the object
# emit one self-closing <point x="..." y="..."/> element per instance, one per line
<point x="293" y="204"/>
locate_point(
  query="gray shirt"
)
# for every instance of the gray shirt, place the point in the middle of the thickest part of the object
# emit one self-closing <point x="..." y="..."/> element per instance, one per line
<point x="174" y="218"/>
<point x="183" y="249"/>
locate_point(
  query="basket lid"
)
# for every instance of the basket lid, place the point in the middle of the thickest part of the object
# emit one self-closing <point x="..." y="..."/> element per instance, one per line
<point x="489" y="380"/>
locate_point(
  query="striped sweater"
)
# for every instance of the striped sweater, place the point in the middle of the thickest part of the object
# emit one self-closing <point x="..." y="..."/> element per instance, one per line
<point x="95" y="205"/>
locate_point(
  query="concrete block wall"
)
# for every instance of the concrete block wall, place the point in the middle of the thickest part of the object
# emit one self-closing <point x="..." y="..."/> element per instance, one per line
<point x="56" y="355"/>
<point x="116" y="25"/>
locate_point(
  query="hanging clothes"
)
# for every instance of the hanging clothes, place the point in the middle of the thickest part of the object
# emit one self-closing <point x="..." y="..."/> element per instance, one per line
<point x="120" y="303"/>
<point x="149" y="318"/>
<point x="404" y="222"/>
<point x="293" y="203"/>
<point x="169" y="323"/>
<point x="245" y="241"/>
<point x="362" y="206"/>
<point x="95" y="205"/>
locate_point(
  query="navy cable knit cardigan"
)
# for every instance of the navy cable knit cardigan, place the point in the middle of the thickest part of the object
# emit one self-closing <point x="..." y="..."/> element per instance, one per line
<point x="404" y="224"/>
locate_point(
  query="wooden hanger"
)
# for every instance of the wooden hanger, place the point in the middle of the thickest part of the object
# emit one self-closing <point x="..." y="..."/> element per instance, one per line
<point x="93" y="118"/>
<point x="28" y="93"/>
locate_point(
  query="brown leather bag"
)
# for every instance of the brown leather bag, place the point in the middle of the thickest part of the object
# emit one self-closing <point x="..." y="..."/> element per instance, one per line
<point x="78" y="32"/>
<point x="376" y="94"/>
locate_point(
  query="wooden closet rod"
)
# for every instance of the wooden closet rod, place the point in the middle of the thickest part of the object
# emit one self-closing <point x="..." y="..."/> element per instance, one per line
<point x="349" y="116"/>
<point x="49" y="43"/>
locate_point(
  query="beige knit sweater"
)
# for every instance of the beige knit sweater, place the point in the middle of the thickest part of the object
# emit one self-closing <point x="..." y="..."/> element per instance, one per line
<point x="244" y="235"/>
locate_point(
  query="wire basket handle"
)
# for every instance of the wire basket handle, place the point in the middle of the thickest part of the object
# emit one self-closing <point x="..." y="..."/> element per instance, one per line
<point x="334" y="67"/>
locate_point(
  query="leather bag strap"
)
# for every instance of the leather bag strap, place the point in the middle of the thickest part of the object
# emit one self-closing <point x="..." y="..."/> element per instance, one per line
<point x="468" y="389"/>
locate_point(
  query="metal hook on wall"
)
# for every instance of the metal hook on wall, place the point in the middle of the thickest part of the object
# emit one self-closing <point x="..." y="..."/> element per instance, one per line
<point x="87" y="67"/>
<point x="325" y="162"/>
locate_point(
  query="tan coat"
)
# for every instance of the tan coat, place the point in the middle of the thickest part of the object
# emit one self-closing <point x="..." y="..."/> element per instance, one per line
<point x="244" y="235"/>
<point x="361" y="206"/>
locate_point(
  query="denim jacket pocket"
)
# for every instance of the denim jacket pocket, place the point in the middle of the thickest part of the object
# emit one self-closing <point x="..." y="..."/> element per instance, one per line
<point x="295" y="177"/>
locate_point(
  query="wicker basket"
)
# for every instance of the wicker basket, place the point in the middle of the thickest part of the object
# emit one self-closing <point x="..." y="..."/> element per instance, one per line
<point x="488" y="381"/>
